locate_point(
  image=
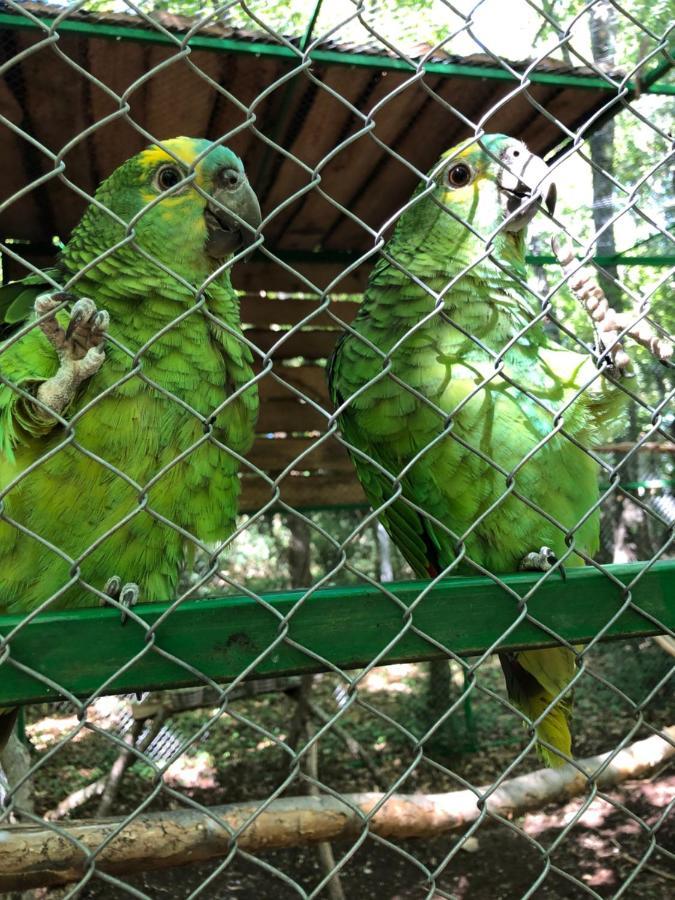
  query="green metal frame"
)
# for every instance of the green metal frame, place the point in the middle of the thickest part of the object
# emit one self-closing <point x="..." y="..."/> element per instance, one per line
<point x="330" y="57"/>
<point x="88" y="653"/>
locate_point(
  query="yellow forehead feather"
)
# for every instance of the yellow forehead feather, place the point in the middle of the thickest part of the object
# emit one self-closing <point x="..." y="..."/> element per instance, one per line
<point x="186" y="150"/>
<point x="467" y="153"/>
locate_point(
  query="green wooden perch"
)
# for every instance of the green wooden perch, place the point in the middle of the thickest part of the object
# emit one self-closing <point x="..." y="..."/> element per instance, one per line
<point x="87" y="652"/>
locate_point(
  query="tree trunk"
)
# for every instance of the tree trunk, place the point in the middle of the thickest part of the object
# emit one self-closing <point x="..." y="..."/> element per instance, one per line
<point x="298" y="552"/>
<point x="440" y="696"/>
<point x="34" y="856"/>
<point x="603" y="24"/>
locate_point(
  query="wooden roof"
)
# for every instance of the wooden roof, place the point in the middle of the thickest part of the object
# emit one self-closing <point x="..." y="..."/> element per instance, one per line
<point x="374" y="109"/>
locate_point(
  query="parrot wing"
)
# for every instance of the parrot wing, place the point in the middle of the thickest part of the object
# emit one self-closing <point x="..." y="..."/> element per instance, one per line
<point x="410" y="531"/>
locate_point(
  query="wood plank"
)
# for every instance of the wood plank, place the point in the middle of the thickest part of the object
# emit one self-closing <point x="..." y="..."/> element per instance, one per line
<point x="289" y="416"/>
<point x="275" y="454"/>
<point x="174" y="101"/>
<point x="177" y="100"/>
<point x="53" y="118"/>
<point x="566" y="106"/>
<point x="266" y="275"/>
<point x="391" y="185"/>
<point x="644" y="447"/>
<point x="264" y="311"/>
<point x="303" y="492"/>
<point x="328" y="120"/>
<point x="346" y="627"/>
<point x="309" y="379"/>
<point x="282" y="410"/>
<point x="316" y="344"/>
<point x="244" y="81"/>
<point x="14" y="271"/>
<point x="21" y="218"/>
<point x="351" y="166"/>
<point x="117" y="64"/>
<point x="519" y="117"/>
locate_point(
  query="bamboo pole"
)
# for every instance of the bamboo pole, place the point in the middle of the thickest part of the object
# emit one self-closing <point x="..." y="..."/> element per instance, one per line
<point x="34" y="855"/>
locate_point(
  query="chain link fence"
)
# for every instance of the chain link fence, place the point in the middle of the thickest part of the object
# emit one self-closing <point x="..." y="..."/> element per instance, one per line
<point x="334" y="723"/>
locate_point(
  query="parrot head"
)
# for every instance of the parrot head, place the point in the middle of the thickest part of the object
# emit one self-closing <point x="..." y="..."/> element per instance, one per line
<point x="496" y="184"/>
<point x="485" y="192"/>
<point x="187" y="201"/>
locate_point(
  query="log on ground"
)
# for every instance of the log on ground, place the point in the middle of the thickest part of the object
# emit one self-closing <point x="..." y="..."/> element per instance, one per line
<point x="38" y="855"/>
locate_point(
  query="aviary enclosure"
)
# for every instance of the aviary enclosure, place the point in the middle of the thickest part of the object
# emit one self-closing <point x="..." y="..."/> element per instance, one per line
<point x="336" y="449"/>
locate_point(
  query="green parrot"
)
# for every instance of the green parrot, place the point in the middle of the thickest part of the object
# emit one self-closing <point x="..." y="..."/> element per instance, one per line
<point x="450" y="384"/>
<point x="121" y="400"/>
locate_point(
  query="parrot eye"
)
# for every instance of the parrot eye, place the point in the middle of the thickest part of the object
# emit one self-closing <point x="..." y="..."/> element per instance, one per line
<point x="167" y="177"/>
<point x="459" y="175"/>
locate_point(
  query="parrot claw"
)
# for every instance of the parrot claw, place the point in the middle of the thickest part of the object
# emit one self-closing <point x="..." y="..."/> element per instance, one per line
<point x="81" y="312"/>
<point x="112" y="588"/>
<point x="542" y="561"/>
<point x="126" y="595"/>
<point x="79" y="347"/>
<point x="86" y="329"/>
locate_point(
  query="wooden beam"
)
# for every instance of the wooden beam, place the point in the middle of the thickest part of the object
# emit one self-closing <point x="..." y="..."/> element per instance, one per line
<point x="280" y="407"/>
<point x="266" y="275"/>
<point x="275" y="454"/>
<point x="310" y="344"/>
<point x="304" y="492"/>
<point x="264" y="311"/>
<point x="346" y="627"/>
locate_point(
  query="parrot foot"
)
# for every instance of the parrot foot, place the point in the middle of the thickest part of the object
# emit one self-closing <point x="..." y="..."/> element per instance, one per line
<point x="126" y="595"/>
<point x="79" y="347"/>
<point x="541" y="560"/>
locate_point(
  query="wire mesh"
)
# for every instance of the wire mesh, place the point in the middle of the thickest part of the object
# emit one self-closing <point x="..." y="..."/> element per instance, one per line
<point x="334" y="155"/>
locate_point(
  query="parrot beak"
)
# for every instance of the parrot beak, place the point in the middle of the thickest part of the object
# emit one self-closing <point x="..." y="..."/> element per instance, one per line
<point x="524" y="184"/>
<point x="232" y="216"/>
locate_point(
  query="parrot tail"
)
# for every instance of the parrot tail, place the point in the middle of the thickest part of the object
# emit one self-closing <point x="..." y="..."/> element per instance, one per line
<point x="532" y="698"/>
<point x="7" y="719"/>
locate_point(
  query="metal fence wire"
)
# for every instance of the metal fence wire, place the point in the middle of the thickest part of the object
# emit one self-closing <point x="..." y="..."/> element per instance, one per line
<point x="276" y="695"/>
